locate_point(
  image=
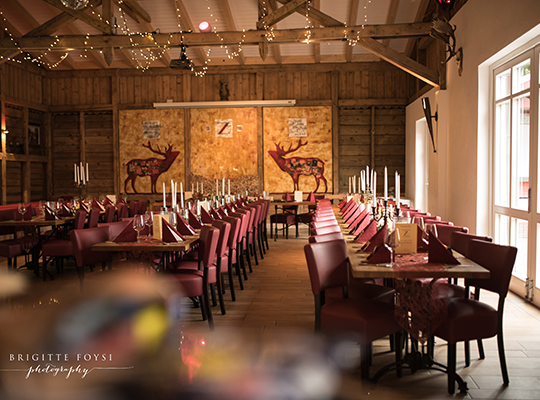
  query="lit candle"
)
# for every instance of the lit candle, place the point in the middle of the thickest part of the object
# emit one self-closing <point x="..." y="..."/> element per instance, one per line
<point x="398" y="189"/>
<point x="374" y="188"/>
<point x="363" y="179"/>
<point x="164" y="199"/>
<point x="82" y="173"/>
<point x="359" y="183"/>
<point x="350" y="184"/>
<point x="75" y="172"/>
<point x="192" y="187"/>
<point x="197" y="187"/>
<point x="370" y="181"/>
<point x="229" y="188"/>
<point x="87" y="174"/>
<point x="385" y="183"/>
<point x="354" y="184"/>
<point x="223" y="187"/>
<point x="217" y="188"/>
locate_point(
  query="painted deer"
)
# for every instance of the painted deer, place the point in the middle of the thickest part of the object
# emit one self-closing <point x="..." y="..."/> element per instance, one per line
<point x="296" y="166"/>
<point x="152" y="167"/>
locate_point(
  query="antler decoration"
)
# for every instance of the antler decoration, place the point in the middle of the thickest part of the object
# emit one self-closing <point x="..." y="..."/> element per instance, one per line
<point x="444" y="31"/>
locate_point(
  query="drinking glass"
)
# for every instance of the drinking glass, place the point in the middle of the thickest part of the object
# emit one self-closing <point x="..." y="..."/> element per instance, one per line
<point x="41" y="207"/>
<point x="432" y="228"/>
<point x="22" y="209"/>
<point x="148" y="220"/>
<point x="393" y="241"/>
<point x="138" y="225"/>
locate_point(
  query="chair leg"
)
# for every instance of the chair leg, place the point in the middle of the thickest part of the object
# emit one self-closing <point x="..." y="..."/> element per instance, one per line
<point x="266" y="234"/>
<point x="254" y="247"/>
<point x="467" y="346"/>
<point x="203" y="307"/>
<point x="260" y="244"/>
<point x="247" y="254"/>
<point x="451" y="369"/>
<point x="365" y="356"/>
<point x="44" y="268"/>
<point x="207" y="303"/>
<point x="231" y="282"/>
<point x="240" y="255"/>
<point x="213" y="294"/>
<point x="481" y="353"/>
<point x="9" y="264"/>
<point x="502" y="356"/>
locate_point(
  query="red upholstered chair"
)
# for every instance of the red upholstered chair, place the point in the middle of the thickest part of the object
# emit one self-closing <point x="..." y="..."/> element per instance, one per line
<point x="246" y="223"/>
<point x="459" y="241"/>
<point x="470" y="319"/>
<point x="326" y="238"/>
<point x="116" y="227"/>
<point x="325" y="230"/>
<point x="244" y="220"/>
<point x="253" y="231"/>
<point x="143" y="206"/>
<point x="133" y="208"/>
<point x="110" y="211"/>
<point x="222" y="254"/>
<point x="123" y="211"/>
<point x="233" y="259"/>
<point x="10" y="248"/>
<point x="367" y="319"/>
<point x="193" y="281"/>
<point x="93" y="218"/>
<point x="83" y="240"/>
<point x="287" y="218"/>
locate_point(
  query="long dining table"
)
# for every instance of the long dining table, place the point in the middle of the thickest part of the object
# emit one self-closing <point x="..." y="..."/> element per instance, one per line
<point x="413" y="277"/>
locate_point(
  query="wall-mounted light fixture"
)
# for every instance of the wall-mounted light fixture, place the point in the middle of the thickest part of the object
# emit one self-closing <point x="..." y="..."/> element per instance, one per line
<point x="427" y="113"/>
<point x="227" y="104"/>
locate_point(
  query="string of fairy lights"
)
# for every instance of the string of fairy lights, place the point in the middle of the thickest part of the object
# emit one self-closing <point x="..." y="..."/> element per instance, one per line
<point x="143" y="58"/>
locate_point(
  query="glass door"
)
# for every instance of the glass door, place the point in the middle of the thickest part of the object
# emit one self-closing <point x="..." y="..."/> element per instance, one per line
<point x="515" y="172"/>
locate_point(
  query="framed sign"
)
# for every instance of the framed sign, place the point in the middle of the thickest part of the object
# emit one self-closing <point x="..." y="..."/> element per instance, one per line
<point x="151" y="130"/>
<point x="34" y="134"/>
<point x="224" y="128"/>
<point x="297" y="127"/>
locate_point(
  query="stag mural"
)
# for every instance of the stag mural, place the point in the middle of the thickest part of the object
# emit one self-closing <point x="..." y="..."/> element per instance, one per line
<point x="296" y="166"/>
<point x="152" y="167"/>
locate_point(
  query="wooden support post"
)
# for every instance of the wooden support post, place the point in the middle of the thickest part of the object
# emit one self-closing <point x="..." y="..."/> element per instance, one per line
<point x="26" y="170"/>
<point x="47" y="135"/>
<point x="116" y="134"/>
<point x="260" y="148"/>
<point x="82" y="148"/>
<point x="335" y="131"/>
<point x="373" y="137"/>
<point x="187" y="147"/>
<point x="3" y="135"/>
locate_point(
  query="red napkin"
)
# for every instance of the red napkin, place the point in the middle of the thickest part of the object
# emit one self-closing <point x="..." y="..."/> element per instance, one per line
<point x="66" y="211"/>
<point x="97" y="204"/>
<point x="368" y="233"/>
<point x="362" y="225"/>
<point x="193" y="221"/>
<point x="311" y="197"/>
<point x="342" y="203"/>
<point x="107" y="201"/>
<point x="169" y="234"/>
<point x="438" y="253"/>
<point x="50" y="215"/>
<point x="349" y="204"/>
<point x="377" y="240"/>
<point x="84" y="207"/>
<point x="421" y="243"/>
<point x="350" y="219"/>
<point x="214" y="213"/>
<point x="381" y="255"/>
<point x="205" y="217"/>
<point x="221" y="212"/>
<point x="129" y="234"/>
<point x="358" y="219"/>
<point x="350" y="211"/>
<point x="287" y="196"/>
<point x="184" y="228"/>
<point x="228" y="207"/>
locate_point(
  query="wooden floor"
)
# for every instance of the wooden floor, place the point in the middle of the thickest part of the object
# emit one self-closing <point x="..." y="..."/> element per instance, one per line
<point x="276" y="310"/>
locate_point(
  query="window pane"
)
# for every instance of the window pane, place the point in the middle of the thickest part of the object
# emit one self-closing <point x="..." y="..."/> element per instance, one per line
<point x="502" y="154"/>
<point x="502" y="85"/>
<point x="519" y="239"/>
<point x="521" y="76"/>
<point x="502" y="229"/>
<point x="520" y="153"/>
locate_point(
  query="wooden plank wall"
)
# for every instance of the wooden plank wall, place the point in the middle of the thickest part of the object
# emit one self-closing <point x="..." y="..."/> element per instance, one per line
<point x="386" y="125"/>
<point x="66" y="144"/>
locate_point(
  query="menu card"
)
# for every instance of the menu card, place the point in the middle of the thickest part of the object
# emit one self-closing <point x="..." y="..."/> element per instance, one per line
<point x="158" y="225"/>
<point x="407" y="236"/>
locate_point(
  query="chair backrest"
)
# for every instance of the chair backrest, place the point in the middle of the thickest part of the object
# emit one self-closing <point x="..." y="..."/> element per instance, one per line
<point x="326" y="238"/>
<point x="444" y="232"/>
<point x="84" y="239"/>
<point x="93" y="218"/>
<point x="208" y="241"/>
<point x="110" y="210"/>
<point x="459" y="241"/>
<point x="133" y="208"/>
<point x="116" y="227"/>
<point x="328" y="265"/>
<point x="80" y="219"/>
<point x="498" y="259"/>
<point x="236" y="223"/>
<point x="122" y="211"/>
<point x="223" y="241"/>
<point x="143" y="206"/>
<point x="325" y="230"/>
<point x="244" y="219"/>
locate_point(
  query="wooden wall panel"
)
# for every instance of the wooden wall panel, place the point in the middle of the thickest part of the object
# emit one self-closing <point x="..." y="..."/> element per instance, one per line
<point x="65" y="152"/>
<point x="99" y="152"/>
<point x="15" y="126"/>
<point x="14" y="182"/>
<point x="355" y="143"/>
<point x="23" y="85"/>
<point x="38" y="181"/>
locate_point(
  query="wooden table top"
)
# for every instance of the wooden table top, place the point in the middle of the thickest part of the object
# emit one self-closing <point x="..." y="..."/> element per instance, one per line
<point x="38" y="221"/>
<point x="293" y="203"/>
<point x="147" y="246"/>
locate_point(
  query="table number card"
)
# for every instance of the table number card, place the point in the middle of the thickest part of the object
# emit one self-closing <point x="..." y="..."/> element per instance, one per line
<point x="158" y="225"/>
<point x="298" y="195"/>
<point x="407" y="236"/>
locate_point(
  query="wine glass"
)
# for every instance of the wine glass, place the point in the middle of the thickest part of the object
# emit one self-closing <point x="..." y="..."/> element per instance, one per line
<point x="138" y="225"/>
<point x="393" y="240"/>
<point x="41" y="207"/>
<point x="148" y="220"/>
<point x="22" y="209"/>
<point x="432" y="229"/>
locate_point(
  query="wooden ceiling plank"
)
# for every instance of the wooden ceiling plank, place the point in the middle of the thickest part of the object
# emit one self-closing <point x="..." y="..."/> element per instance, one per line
<point x="391" y="18"/>
<point x="329" y="34"/>
<point x="316" y="46"/>
<point x="94" y="22"/>
<point x="231" y="25"/>
<point x="108" y="15"/>
<point x="275" y="16"/>
<point x="275" y="47"/>
<point x="141" y="12"/>
<point x="188" y="26"/>
<point x="315" y="14"/>
<point x="128" y="10"/>
<point x="353" y="16"/>
<point x="420" y="14"/>
<point x="402" y="62"/>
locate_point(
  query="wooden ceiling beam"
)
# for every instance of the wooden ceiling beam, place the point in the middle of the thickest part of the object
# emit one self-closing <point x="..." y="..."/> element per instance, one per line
<point x="402" y="62"/>
<point x="353" y="17"/>
<point x="108" y="15"/>
<point x="315" y="14"/>
<point x="420" y="14"/>
<point x="188" y="26"/>
<point x="158" y="40"/>
<point x="94" y="22"/>
<point x="137" y="10"/>
<point x="275" y="47"/>
<point x="277" y="15"/>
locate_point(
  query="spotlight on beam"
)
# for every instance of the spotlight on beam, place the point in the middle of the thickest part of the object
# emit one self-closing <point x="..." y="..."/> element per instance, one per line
<point x="205" y="26"/>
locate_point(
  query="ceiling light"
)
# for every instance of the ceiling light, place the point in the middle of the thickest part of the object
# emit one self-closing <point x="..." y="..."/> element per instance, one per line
<point x="75" y="4"/>
<point x="204" y="26"/>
